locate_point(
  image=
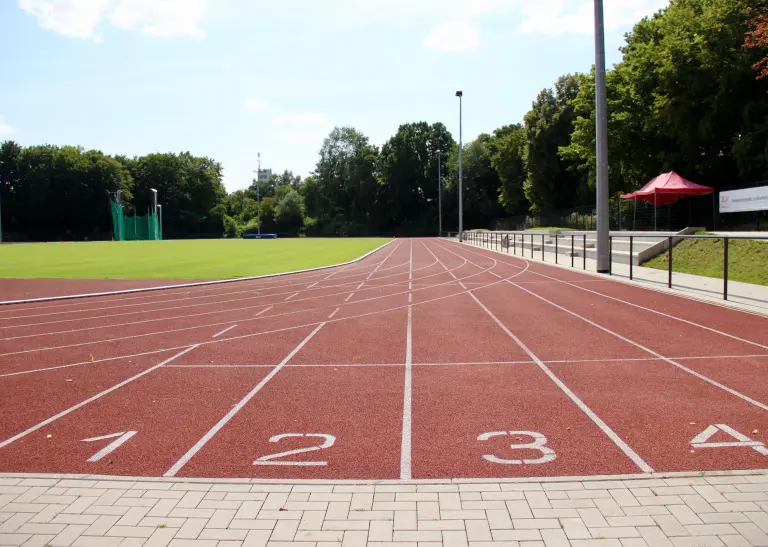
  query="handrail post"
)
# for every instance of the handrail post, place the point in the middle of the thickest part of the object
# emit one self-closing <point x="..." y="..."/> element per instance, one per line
<point x="669" y="265"/>
<point x="610" y="254"/>
<point x="531" y="244"/>
<point x="542" y="247"/>
<point x="514" y="244"/>
<point x="631" y="257"/>
<point x="584" y="251"/>
<point x="556" y="249"/>
<point x="572" y="249"/>
<point x="725" y="269"/>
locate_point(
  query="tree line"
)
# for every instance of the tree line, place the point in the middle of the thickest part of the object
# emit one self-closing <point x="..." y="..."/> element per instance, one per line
<point x="690" y="95"/>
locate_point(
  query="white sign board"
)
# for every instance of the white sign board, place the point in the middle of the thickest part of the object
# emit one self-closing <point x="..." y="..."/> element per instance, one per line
<point x="751" y="199"/>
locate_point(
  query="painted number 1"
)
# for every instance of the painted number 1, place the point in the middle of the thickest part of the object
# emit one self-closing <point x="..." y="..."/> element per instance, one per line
<point x="122" y="436"/>
<point x="273" y="459"/>
<point x="539" y="443"/>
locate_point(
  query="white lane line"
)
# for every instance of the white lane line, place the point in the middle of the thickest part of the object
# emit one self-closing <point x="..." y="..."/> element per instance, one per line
<point x="175" y="468"/>
<point x="265" y="310"/>
<point x="648" y="350"/>
<point x="618" y="441"/>
<point x="294" y="294"/>
<point x="94" y="398"/>
<point x="313" y="284"/>
<point x="350" y="295"/>
<point x="225" y="330"/>
<point x="251" y="335"/>
<point x="657" y="312"/>
<point x="334" y="312"/>
<point x="405" y="447"/>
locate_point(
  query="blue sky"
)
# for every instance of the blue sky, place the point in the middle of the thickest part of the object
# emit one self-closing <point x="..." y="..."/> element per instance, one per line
<point x="230" y="78"/>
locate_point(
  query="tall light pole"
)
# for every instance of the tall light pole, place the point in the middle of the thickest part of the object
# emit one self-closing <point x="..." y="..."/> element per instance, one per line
<point x="601" y="108"/>
<point x="154" y="199"/>
<point x="460" y="94"/>
<point x="160" y="220"/>
<point x="1" y="208"/>
<point x="439" y="198"/>
<point x="258" y="195"/>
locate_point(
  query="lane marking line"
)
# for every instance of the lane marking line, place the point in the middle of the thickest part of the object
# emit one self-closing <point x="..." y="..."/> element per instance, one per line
<point x="184" y="285"/>
<point x="648" y="350"/>
<point x="618" y="441"/>
<point x="334" y="312"/>
<point x="294" y="294"/>
<point x="93" y="398"/>
<point x="250" y="335"/>
<point x="657" y="312"/>
<point x="265" y="310"/>
<point x="225" y="330"/>
<point x="313" y="284"/>
<point x="176" y="467"/>
<point x="350" y="295"/>
<point x="405" y="446"/>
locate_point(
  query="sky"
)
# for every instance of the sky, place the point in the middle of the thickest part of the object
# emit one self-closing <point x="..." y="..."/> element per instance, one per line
<point x="232" y="78"/>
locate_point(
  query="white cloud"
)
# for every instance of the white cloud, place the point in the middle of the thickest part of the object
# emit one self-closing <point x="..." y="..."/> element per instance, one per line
<point x="551" y="17"/>
<point x="82" y="18"/>
<point x="300" y="119"/>
<point x="460" y="35"/>
<point x="5" y="128"/>
<point x="255" y="104"/>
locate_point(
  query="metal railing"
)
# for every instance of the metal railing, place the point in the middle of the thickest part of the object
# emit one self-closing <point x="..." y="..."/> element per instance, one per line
<point x="517" y="241"/>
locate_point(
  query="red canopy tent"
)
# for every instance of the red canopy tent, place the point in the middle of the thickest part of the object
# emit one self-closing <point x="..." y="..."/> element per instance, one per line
<point x="667" y="189"/>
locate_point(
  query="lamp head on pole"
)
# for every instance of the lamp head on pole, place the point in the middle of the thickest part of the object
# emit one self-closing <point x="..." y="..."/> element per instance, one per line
<point x="153" y="190"/>
<point x="459" y="93"/>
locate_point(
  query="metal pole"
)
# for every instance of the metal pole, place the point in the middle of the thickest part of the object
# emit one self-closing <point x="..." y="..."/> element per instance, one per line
<point x="154" y="197"/>
<point x="439" y="199"/>
<point x="542" y="247"/>
<point x="669" y="264"/>
<point x="1" y="214"/>
<point x="460" y="94"/>
<point x="631" y="256"/>
<point x="584" y="251"/>
<point x="555" y="248"/>
<point x="572" y="253"/>
<point x="610" y="255"/>
<point x="160" y="208"/>
<point x="725" y="268"/>
<point x="601" y="100"/>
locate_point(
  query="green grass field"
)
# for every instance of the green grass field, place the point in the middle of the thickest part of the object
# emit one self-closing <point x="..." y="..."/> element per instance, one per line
<point x="180" y="259"/>
<point x="747" y="259"/>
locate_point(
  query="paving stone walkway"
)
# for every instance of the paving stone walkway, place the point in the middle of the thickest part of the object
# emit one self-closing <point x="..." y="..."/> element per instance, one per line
<point x="723" y="509"/>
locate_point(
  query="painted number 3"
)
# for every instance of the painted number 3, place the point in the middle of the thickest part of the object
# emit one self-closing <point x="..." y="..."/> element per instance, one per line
<point x="539" y="443"/>
<point x="273" y="459"/>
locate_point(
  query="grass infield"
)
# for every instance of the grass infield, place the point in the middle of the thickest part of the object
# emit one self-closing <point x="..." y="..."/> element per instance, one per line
<point x="179" y="259"/>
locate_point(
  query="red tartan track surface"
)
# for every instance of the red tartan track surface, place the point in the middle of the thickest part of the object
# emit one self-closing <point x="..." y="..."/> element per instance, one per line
<point x="428" y="359"/>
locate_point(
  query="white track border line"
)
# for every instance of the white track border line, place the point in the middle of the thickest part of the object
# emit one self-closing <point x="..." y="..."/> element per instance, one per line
<point x="176" y="467"/>
<point x="605" y="428"/>
<point x="93" y="398"/>
<point x="184" y="285"/>
<point x="645" y="349"/>
<point x="651" y="310"/>
<point x="252" y="335"/>
<point x="405" y="440"/>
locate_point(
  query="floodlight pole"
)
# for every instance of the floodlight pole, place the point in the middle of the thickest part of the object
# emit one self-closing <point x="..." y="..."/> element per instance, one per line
<point x="160" y="220"/>
<point x="460" y="94"/>
<point x="601" y="108"/>
<point x="258" y="195"/>
<point x="1" y="210"/>
<point x="154" y="197"/>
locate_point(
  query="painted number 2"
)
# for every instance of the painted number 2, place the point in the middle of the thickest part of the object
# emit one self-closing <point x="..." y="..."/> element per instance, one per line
<point x="274" y="459"/>
<point x="539" y="443"/>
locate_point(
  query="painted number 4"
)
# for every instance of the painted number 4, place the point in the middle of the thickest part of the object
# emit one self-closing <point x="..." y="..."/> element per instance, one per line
<point x="701" y="440"/>
<point x="539" y="443"/>
<point x="273" y="459"/>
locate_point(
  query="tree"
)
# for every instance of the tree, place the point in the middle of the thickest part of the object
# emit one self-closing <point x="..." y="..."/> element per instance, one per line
<point x="549" y="124"/>
<point x="508" y="151"/>
<point x="757" y="38"/>
<point x="289" y="213"/>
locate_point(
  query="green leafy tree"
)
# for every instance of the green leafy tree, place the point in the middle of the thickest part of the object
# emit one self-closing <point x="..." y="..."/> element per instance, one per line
<point x="289" y="213"/>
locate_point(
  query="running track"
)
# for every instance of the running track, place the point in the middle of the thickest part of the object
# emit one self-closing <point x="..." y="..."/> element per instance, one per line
<point x="428" y="359"/>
